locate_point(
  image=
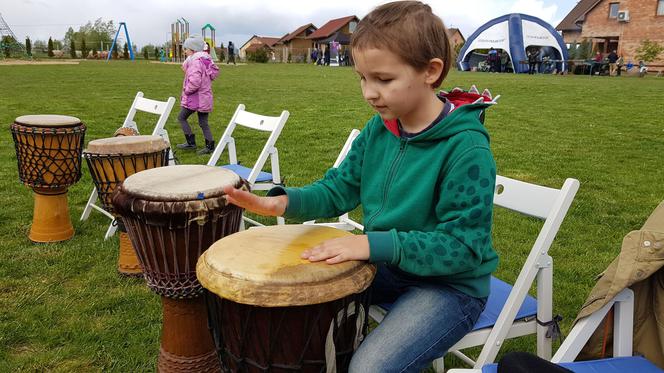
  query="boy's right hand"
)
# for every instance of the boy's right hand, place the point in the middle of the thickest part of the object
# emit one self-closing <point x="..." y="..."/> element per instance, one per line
<point x="267" y="206"/>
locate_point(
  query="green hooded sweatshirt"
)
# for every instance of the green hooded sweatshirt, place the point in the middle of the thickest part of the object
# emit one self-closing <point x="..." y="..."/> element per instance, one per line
<point x="427" y="200"/>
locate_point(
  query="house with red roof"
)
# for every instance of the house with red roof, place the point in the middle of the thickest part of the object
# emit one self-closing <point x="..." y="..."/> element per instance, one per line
<point x="297" y="44"/>
<point x="338" y="30"/>
<point x="335" y="33"/>
<point x="619" y="25"/>
<point x="257" y="42"/>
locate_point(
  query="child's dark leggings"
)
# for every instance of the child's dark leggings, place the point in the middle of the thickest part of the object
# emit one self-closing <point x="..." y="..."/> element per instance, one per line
<point x="202" y="121"/>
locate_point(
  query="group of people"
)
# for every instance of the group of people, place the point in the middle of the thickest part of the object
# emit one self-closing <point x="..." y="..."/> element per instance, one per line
<point x="497" y="61"/>
<point x="615" y="64"/>
<point x="323" y="57"/>
<point x="433" y="253"/>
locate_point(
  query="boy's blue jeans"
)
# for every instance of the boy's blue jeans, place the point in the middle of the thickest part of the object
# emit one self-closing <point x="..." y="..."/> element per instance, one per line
<point x="424" y="322"/>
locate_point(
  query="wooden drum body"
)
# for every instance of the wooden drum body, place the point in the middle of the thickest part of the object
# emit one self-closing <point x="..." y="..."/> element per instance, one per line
<point x="272" y="311"/>
<point x="48" y="152"/>
<point x="173" y="214"/>
<point x="111" y="161"/>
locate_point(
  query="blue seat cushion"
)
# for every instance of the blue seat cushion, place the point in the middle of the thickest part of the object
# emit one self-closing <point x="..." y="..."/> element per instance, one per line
<point x="612" y="365"/>
<point x="500" y="290"/>
<point x="245" y="171"/>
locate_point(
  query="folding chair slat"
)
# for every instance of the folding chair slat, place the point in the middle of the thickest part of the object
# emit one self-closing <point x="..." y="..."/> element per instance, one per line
<point x="257" y="178"/>
<point x="140" y="103"/>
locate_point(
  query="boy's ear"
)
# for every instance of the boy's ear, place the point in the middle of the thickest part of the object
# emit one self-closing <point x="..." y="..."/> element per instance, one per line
<point x="433" y="70"/>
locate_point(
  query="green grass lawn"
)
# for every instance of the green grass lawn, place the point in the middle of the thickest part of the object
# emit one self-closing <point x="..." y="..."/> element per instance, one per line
<point x="64" y="308"/>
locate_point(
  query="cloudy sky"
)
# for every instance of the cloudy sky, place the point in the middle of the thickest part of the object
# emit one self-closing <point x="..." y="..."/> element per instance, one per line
<point x="149" y="21"/>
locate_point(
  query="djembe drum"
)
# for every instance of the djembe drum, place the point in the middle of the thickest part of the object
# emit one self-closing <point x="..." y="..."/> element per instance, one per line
<point x="48" y="151"/>
<point x="272" y="311"/>
<point x="111" y="161"/>
<point x="173" y="214"/>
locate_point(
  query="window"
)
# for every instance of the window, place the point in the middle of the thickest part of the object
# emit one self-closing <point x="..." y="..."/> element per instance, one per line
<point x="613" y="10"/>
<point x="660" y="8"/>
<point x="351" y="26"/>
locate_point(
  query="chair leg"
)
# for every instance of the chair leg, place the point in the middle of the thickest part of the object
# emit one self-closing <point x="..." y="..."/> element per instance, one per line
<point x="111" y="229"/>
<point x="439" y="365"/>
<point x="544" y="309"/>
<point x="88" y="206"/>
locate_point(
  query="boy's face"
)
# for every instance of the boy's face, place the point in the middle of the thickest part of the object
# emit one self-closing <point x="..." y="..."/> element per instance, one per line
<point x="188" y="52"/>
<point x="391" y="86"/>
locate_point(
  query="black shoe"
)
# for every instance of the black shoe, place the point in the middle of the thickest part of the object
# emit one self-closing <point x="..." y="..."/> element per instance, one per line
<point x="208" y="149"/>
<point x="190" y="144"/>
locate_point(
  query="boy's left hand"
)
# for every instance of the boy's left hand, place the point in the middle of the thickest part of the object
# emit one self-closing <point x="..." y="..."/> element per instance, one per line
<point x="339" y="250"/>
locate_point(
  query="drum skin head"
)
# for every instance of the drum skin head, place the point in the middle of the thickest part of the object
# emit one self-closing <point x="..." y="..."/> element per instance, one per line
<point x="141" y="144"/>
<point x="180" y="183"/>
<point x="47" y="120"/>
<point x="261" y="266"/>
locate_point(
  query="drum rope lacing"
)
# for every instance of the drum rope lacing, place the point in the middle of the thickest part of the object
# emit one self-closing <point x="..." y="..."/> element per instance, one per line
<point x="53" y="163"/>
<point x="106" y="182"/>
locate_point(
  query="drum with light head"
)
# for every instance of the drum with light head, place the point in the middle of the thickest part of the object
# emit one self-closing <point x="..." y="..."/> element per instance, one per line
<point x="48" y="151"/>
<point x="173" y="214"/>
<point x="272" y="311"/>
<point x="111" y="161"/>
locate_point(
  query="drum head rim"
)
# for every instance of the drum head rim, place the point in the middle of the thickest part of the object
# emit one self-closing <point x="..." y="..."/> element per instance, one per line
<point x="262" y="266"/>
<point x="127" y="145"/>
<point x="64" y="120"/>
<point x="195" y="194"/>
<point x="269" y="295"/>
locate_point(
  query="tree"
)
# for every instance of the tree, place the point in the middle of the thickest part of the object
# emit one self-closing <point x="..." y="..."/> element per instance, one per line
<point x="50" y="47"/>
<point x="72" y="49"/>
<point x="84" y="49"/>
<point x="6" y="44"/>
<point x="126" y="52"/>
<point x="114" y="54"/>
<point x="96" y="34"/>
<point x="28" y="47"/>
<point x="146" y="54"/>
<point x="457" y="48"/>
<point x="648" y="51"/>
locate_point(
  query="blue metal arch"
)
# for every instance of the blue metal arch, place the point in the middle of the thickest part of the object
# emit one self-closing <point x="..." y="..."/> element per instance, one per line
<point x="517" y="49"/>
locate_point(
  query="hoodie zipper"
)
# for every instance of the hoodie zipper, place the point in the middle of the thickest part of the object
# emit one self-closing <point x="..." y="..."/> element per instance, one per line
<point x="388" y="181"/>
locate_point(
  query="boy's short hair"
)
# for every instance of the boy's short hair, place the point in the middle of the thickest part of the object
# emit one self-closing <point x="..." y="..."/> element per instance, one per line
<point x="408" y="29"/>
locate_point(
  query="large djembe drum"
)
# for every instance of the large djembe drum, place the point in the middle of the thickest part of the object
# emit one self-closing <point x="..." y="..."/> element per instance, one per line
<point x="48" y="151"/>
<point x="271" y="311"/>
<point x="111" y="161"/>
<point x="173" y="214"/>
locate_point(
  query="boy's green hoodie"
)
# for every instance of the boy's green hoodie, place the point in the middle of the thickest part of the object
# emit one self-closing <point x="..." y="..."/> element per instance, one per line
<point x="427" y="200"/>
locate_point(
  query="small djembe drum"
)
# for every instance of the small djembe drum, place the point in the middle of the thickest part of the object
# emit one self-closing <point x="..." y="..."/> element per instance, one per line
<point x="173" y="214"/>
<point x="271" y="311"/>
<point x="111" y="161"/>
<point x="48" y="151"/>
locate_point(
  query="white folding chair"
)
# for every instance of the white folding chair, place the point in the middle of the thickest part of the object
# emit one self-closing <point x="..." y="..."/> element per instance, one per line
<point x="257" y="178"/>
<point x="344" y="221"/>
<point x="510" y="312"/>
<point x="161" y="108"/>
<point x="622" y="361"/>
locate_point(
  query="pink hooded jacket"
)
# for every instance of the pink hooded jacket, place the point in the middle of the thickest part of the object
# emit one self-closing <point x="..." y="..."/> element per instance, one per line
<point x="199" y="72"/>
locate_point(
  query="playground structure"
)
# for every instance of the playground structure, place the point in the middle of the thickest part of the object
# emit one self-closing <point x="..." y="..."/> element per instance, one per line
<point x="210" y="40"/>
<point x="179" y="33"/>
<point x="130" y="47"/>
<point x="8" y="40"/>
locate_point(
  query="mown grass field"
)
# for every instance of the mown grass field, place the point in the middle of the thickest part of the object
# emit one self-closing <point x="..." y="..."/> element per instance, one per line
<point x="64" y="308"/>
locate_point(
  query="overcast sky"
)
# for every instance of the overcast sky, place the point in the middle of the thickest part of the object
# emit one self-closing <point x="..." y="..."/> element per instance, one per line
<point x="149" y="21"/>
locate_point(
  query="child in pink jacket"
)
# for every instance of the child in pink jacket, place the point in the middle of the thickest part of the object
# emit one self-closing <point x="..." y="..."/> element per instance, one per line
<point x="199" y="72"/>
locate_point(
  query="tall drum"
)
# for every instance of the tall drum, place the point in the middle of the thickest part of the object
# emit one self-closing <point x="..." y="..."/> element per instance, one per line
<point x="271" y="311"/>
<point x="48" y="151"/>
<point x="111" y="161"/>
<point x="173" y="214"/>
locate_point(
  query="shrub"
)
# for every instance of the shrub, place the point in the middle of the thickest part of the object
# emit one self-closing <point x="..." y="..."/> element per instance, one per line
<point x="648" y="51"/>
<point x="260" y="56"/>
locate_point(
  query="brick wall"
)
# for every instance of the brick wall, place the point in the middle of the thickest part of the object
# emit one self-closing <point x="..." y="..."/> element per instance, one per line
<point x="644" y="23"/>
